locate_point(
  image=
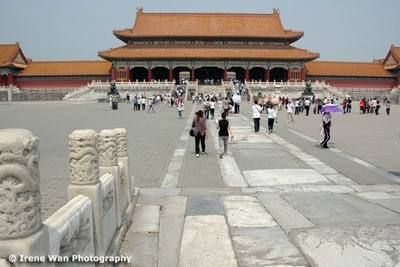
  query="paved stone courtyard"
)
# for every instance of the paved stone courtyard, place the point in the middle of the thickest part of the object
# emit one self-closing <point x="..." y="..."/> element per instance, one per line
<point x="276" y="199"/>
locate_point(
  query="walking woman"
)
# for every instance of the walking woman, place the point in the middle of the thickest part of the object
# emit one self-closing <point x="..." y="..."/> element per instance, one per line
<point x="200" y="132"/>
<point x="326" y="125"/>
<point x="224" y="130"/>
<point x="257" y="109"/>
<point x="271" y="118"/>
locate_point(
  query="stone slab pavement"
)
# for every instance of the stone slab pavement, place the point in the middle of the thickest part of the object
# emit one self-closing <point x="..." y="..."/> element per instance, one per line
<point x="275" y="199"/>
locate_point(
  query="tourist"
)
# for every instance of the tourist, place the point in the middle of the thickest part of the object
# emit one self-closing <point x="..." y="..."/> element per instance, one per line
<point x="139" y="103"/>
<point x="349" y="105"/>
<point x="344" y="103"/>
<point x="388" y="107"/>
<point x="180" y="106"/>
<point x="377" y="107"/>
<point x="200" y="132"/>
<point x="326" y="126"/>
<point x="320" y="104"/>
<point x="271" y="118"/>
<point x="236" y="102"/>
<point x="206" y="107"/>
<point x="151" y="106"/>
<point x="307" y="104"/>
<point x="362" y="106"/>
<point x="224" y="130"/>
<point x="212" y="107"/>
<point x="289" y="110"/>
<point x="367" y="106"/>
<point x="225" y="106"/>
<point x="297" y="107"/>
<point x="143" y="103"/>
<point x="257" y="109"/>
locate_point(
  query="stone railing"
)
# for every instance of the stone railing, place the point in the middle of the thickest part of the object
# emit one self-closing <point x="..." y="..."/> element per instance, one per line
<point x="89" y="229"/>
<point x="10" y="89"/>
<point x="98" y="89"/>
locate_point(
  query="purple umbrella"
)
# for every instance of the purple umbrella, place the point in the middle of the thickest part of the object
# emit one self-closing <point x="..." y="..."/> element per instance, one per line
<point x="331" y="108"/>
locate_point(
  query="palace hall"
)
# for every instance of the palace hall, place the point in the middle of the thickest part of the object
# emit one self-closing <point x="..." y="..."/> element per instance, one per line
<point x="208" y="46"/>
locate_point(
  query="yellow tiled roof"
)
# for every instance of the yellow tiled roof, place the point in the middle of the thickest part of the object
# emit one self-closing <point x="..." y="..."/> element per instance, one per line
<point x="356" y="69"/>
<point x="396" y="52"/>
<point x="242" y="52"/>
<point x="67" y="68"/>
<point x="208" y="25"/>
<point x="7" y="54"/>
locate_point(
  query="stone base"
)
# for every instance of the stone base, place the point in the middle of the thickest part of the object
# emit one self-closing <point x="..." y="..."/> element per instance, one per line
<point x="36" y="247"/>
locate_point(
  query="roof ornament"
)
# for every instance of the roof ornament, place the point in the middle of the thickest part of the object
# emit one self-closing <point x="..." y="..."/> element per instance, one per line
<point x="139" y="10"/>
<point x="276" y="11"/>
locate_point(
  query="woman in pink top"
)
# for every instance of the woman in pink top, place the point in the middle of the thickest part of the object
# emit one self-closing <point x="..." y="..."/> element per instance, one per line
<point x="200" y="132"/>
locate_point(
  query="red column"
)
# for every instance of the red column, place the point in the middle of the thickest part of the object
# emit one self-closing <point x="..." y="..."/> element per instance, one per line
<point x="193" y="78"/>
<point x="128" y="74"/>
<point x="225" y="74"/>
<point x="303" y="74"/>
<point x="288" y="74"/>
<point x="171" y="74"/>
<point x="267" y="75"/>
<point x="113" y="74"/>
<point x="10" y="79"/>
<point x="247" y="74"/>
<point x="150" y="74"/>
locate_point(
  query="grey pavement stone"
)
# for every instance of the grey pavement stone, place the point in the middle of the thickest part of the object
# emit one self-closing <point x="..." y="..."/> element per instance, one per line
<point x="361" y="246"/>
<point x="288" y="217"/>
<point x="171" y="230"/>
<point x="204" y="205"/>
<point x="140" y="246"/>
<point x="265" y="247"/>
<point x="246" y="211"/>
<point x="146" y="219"/>
<point x="330" y="209"/>
<point x="206" y="242"/>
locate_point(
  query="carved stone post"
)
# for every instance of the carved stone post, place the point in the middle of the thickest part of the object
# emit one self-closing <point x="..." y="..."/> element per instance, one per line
<point x="21" y="228"/>
<point x="123" y="158"/>
<point x="108" y="157"/>
<point x="84" y="178"/>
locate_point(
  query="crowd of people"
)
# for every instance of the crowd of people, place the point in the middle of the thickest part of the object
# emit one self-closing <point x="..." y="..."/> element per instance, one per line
<point x="373" y="106"/>
<point x="227" y="105"/>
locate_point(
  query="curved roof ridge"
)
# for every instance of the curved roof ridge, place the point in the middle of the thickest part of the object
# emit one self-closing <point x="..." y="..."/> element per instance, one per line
<point x="12" y="55"/>
<point x="395" y="52"/>
<point x="236" y="25"/>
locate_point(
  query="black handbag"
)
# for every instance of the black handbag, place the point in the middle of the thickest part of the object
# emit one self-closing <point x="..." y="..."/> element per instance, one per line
<point x="191" y="132"/>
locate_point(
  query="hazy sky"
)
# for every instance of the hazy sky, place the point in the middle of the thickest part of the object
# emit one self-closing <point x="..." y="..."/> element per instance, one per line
<point x="340" y="30"/>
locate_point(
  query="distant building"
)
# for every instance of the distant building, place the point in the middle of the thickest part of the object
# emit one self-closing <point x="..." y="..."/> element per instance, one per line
<point x="392" y="62"/>
<point x="350" y="75"/>
<point x="15" y="69"/>
<point x="12" y="62"/>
